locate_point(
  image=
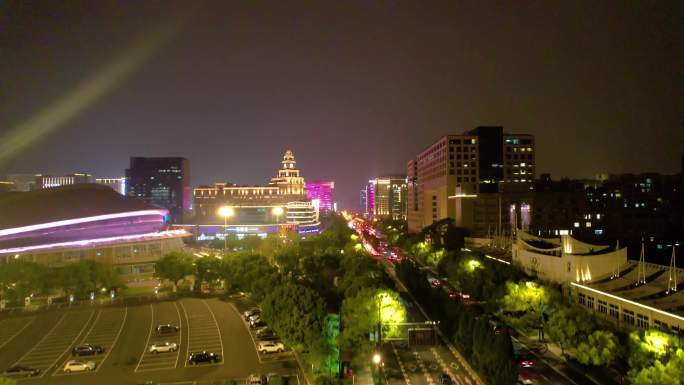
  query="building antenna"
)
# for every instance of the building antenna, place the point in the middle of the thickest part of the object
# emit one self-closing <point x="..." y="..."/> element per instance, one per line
<point x="617" y="263"/>
<point x="641" y="271"/>
<point x="672" y="282"/>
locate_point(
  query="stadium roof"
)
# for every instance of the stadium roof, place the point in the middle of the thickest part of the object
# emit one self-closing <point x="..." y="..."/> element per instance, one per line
<point x="67" y="202"/>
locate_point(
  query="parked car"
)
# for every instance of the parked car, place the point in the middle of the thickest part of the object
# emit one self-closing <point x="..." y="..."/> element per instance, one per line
<point x="164" y="347"/>
<point x="78" y="366"/>
<point x="266" y="334"/>
<point x="445" y="379"/>
<point x="20" y="371"/>
<point x="270" y="347"/>
<point x="202" y="357"/>
<point x="167" y="329"/>
<point x="86" y="350"/>
<point x="257" y="324"/>
<point x="256" y="379"/>
<point x="254" y="318"/>
<point x="250" y="313"/>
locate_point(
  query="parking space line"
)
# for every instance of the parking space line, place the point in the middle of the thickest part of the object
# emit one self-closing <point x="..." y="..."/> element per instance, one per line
<point x="70" y="343"/>
<point x="18" y="332"/>
<point x="217" y="328"/>
<point x="41" y="340"/>
<point x="180" y="337"/>
<point x="116" y="339"/>
<point x="423" y="369"/>
<point x="187" y="345"/>
<point x="445" y="367"/>
<point x="149" y="335"/>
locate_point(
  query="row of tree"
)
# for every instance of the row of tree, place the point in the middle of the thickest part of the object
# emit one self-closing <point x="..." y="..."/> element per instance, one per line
<point x="490" y="354"/>
<point x="20" y="279"/>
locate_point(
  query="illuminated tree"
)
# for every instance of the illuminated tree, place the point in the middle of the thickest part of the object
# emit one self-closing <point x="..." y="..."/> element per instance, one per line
<point x="601" y="349"/>
<point x="174" y="267"/>
<point x="7" y="381"/>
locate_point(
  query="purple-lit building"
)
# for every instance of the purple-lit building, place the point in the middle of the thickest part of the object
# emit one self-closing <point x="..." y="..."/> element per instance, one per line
<point x="66" y="224"/>
<point x="323" y="192"/>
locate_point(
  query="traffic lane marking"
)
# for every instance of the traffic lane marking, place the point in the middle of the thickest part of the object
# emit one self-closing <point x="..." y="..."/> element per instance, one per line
<point x="204" y="323"/>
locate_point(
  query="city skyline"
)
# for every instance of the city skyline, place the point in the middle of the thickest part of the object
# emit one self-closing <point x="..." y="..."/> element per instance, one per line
<point x="599" y="95"/>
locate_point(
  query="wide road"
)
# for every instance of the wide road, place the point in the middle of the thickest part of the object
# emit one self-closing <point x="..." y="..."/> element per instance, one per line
<point x="44" y="340"/>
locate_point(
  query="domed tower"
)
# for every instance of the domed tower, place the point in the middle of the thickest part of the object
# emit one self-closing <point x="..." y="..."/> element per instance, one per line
<point x="288" y="180"/>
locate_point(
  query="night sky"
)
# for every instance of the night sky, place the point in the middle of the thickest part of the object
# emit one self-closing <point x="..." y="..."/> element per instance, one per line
<point x="355" y="89"/>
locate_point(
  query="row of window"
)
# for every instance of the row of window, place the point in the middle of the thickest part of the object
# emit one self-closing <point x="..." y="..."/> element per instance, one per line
<point x="613" y="311"/>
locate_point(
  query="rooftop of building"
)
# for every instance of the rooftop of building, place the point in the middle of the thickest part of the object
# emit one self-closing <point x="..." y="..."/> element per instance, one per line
<point x="655" y="291"/>
<point x="61" y="203"/>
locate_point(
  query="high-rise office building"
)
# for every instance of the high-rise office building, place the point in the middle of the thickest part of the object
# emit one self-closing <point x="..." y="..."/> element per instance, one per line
<point x="163" y="182"/>
<point x="117" y="184"/>
<point x="482" y="160"/>
<point x="386" y="197"/>
<point x="322" y="192"/>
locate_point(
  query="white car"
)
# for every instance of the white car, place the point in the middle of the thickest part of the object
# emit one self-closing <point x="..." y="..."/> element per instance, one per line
<point x="164" y="347"/>
<point x="270" y="347"/>
<point x="78" y="366"/>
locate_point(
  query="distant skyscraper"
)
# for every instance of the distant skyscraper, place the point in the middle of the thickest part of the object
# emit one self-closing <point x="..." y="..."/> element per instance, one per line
<point x="163" y="182"/>
<point x="363" y="201"/>
<point x="117" y="184"/>
<point x="482" y="160"/>
<point x="323" y="191"/>
<point x="386" y="197"/>
<point x="49" y="181"/>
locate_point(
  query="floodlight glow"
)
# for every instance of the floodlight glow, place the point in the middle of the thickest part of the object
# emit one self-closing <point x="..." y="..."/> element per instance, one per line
<point x="68" y="222"/>
<point x="226" y="211"/>
<point x="377" y="359"/>
<point x="88" y="242"/>
<point x="277" y="211"/>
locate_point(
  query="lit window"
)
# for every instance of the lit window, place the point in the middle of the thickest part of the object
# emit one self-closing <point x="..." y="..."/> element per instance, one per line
<point x="588" y="224"/>
<point x="576" y="224"/>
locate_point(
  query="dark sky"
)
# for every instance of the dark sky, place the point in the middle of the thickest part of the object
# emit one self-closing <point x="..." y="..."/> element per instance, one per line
<point x="353" y="88"/>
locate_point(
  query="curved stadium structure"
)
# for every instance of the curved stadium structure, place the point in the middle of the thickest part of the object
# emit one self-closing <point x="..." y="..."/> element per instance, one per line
<point x="70" y="223"/>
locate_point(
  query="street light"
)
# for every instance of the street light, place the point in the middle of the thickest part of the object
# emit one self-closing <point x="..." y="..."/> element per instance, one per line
<point x="377" y="359"/>
<point x="225" y="212"/>
<point x="277" y="211"/>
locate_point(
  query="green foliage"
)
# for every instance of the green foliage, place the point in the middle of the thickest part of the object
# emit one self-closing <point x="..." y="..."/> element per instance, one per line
<point x="602" y="348"/>
<point x="296" y="314"/>
<point x="669" y="373"/>
<point x="7" y="381"/>
<point x="524" y="297"/>
<point x="207" y="269"/>
<point x="20" y="279"/>
<point x="86" y="276"/>
<point x="174" y="267"/>
<point x="569" y="326"/>
<point x="646" y="347"/>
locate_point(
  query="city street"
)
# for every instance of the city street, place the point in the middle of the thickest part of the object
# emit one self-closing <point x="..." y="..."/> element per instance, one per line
<point x="44" y="341"/>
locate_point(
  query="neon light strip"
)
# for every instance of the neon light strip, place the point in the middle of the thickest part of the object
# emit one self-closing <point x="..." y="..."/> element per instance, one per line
<point x="67" y="222"/>
<point x="663" y="312"/>
<point x="86" y="242"/>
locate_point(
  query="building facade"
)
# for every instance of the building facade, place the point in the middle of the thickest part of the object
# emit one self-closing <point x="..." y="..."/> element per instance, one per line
<point x="50" y="181"/>
<point x="162" y="182"/>
<point x="482" y="160"/>
<point x="116" y="184"/>
<point x="281" y="205"/>
<point x="386" y="197"/>
<point x="84" y="222"/>
<point x="22" y="182"/>
<point x="321" y="192"/>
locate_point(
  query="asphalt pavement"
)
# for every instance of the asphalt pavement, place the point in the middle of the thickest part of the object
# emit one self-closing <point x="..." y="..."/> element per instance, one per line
<point x="44" y="340"/>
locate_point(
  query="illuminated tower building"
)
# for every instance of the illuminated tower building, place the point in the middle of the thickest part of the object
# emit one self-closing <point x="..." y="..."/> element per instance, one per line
<point x="288" y="180"/>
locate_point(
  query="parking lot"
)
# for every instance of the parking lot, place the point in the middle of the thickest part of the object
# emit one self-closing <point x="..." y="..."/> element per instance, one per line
<point x="45" y="341"/>
<point x="57" y="342"/>
<point x="162" y="313"/>
<point x="243" y="305"/>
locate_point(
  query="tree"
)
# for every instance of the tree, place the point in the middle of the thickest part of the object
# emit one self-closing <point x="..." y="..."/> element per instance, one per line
<point x="568" y="326"/>
<point x="297" y="314"/>
<point x="602" y="348"/>
<point x="670" y="373"/>
<point x="7" y="381"/>
<point x="20" y="279"/>
<point x="174" y="266"/>
<point x="207" y="269"/>
<point x="362" y="313"/>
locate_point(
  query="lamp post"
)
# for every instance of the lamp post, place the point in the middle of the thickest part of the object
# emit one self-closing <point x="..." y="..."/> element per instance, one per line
<point x="225" y="212"/>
